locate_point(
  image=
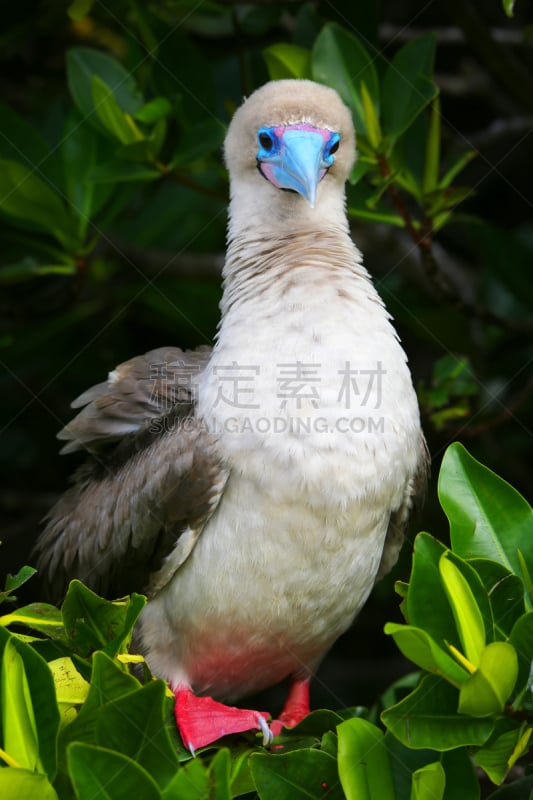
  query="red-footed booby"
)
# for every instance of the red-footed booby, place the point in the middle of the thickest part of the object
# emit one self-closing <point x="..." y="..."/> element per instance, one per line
<point x="257" y="490"/>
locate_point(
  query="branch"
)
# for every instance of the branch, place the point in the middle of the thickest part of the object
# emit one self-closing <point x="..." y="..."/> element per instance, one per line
<point x="423" y="238"/>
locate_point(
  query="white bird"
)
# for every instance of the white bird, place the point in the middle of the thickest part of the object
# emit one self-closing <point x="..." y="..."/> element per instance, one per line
<point x="257" y="490"/>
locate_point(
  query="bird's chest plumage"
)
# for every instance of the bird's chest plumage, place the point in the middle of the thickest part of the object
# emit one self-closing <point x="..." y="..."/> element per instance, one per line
<point x="315" y="416"/>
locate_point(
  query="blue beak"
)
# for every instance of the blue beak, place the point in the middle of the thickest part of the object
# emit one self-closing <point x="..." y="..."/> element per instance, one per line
<point x="295" y="158"/>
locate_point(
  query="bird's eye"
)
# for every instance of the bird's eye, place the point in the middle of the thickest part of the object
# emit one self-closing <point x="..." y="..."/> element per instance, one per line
<point x="334" y="147"/>
<point x="265" y="140"/>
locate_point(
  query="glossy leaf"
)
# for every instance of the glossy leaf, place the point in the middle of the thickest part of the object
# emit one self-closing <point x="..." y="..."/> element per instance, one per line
<point x="153" y="111"/>
<point x="96" y="772"/>
<point x="408" y="85"/>
<point x="71" y="687"/>
<point x="118" y="123"/>
<point x="13" y="582"/>
<point x="134" y="726"/>
<point x="94" y="623"/>
<point x="108" y="683"/>
<point x="341" y="61"/>
<point x="40" y="617"/>
<point x="488" y="518"/>
<point x="24" y="196"/>
<point x="521" y="637"/>
<point x="190" y="781"/>
<point x="219" y="775"/>
<point x="427" y="718"/>
<point x="427" y="604"/>
<point x="505" y="591"/>
<point x="371" y="119"/>
<point x="465" y="610"/>
<point x="422" y="650"/>
<point x="287" y="61"/>
<point x="497" y="756"/>
<point x="42" y="700"/>
<point x="22" y="784"/>
<point x="487" y="690"/>
<point x="429" y="782"/>
<point x="81" y="150"/>
<point x="82" y="64"/>
<point x="300" y="775"/>
<point x="363" y="761"/>
<point x="18" y="720"/>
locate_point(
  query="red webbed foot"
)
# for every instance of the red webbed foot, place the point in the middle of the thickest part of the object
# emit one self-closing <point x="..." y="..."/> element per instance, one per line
<point x="296" y="707"/>
<point x="202" y="720"/>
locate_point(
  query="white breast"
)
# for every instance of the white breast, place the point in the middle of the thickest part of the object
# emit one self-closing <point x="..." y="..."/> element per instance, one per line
<point x="310" y="395"/>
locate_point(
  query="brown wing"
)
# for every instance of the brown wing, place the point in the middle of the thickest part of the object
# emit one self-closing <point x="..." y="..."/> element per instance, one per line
<point x="137" y="508"/>
<point x="413" y="498"/>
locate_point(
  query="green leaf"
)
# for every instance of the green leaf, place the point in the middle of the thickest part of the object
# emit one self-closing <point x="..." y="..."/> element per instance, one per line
<point x="108" y="683"/>
<point x="153" y="111"/>
<point x="82" y="64"/>
<point x="21" y="784"/>
<point x="134" y="726"/>
<point x="427" y="718"/>
<point x="40" y="617"/>
<point x="300" y="775"/>
<point x="496" y="755"/>
<point x="363" y="761"/>
<point x="340" y="60"/>
<point x="219" y="776"/>
<point x="465" y="610"/>
<point x="423" y="651"/>
<point x="42" y="706"/>
<point x="191" y="781"/>
<point x="505" y="591"/>
<point x="408" y="85"/>
<point x="103" y="774"/>
<point x="457" y="167"/>
<point x="521" y="637"/>
<point x="488" y="518"/>
<point x="429" y="782"/>
<point x="487" y="690"/>
<point x="461" y="778"/>
<point x="13" y="582"/>
<point x="81" y="149"/>
<point x="26" y="197"/>
<point x="371" y="119"/>
<point x="119" y="124"/>
<point x="287" y="61"/>
<point x="93" y="623"/>
<point x="427" y="605"/>
<point x="18" y="720"/>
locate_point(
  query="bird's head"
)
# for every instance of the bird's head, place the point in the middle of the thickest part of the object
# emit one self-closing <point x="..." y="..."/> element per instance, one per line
<point x="293" y="135"/>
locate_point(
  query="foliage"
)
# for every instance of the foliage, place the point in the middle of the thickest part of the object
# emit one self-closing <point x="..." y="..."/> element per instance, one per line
<point x="110" y="178"/>
<point x="76" y="723"/>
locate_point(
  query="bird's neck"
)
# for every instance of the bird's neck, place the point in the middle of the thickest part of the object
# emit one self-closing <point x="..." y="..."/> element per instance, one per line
<point x="265" y="266"/>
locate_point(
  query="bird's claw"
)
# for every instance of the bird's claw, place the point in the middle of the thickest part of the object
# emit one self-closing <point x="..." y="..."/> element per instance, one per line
<point x="268" y="736"/>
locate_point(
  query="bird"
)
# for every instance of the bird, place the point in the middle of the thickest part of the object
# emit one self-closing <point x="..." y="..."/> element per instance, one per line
<point x="255" y="491"/>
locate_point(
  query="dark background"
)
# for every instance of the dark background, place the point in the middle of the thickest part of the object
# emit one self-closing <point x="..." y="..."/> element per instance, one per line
<point x="154" y="277"/>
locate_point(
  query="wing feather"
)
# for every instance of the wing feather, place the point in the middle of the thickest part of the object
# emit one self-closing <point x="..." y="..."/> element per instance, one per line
<point x="122" y="520"/>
